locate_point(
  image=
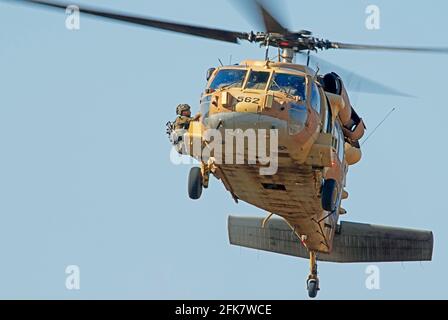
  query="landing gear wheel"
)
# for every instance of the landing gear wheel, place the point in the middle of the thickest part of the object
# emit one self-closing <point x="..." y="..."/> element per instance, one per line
<point x="329" y="195"/>
<point x="313" y="288"/>
<point x="312" y="283"/>
<point x="195" y="183"/>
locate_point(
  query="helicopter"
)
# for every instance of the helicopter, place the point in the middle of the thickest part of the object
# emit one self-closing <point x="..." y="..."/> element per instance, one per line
<point x="313" y="132"/>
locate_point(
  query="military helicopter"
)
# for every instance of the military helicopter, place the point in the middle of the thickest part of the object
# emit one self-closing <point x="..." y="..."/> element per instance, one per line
<point x="318" y="133"/>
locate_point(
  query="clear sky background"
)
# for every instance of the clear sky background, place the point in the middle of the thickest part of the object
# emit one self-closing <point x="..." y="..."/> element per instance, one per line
<point x="86" y="178"/>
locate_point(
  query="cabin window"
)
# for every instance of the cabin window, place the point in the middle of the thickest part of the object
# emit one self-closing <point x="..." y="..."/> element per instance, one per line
<point x="328" y="118"/>
<point x="258" y="80"/>
<point x="290" y="84"/>
<point x="315" y="98"/>
<point x="339" y="135"/>
<point x="230" y="78"/>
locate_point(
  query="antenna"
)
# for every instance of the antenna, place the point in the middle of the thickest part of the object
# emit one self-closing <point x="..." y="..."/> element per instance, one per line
<point x="222" y="65"/>
<point x="317" y="73"/>
<point x="378" y="126"/>
<point x="266" y="56"/>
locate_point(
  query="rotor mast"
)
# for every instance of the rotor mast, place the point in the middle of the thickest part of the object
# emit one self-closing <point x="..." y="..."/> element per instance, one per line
<point x="287" y="55"/>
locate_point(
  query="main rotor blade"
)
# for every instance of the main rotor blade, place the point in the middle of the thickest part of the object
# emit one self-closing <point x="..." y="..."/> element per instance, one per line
<point x="349" y="46"/>
<point x="260" y="15"/>
<point x="209" y="33"/>
<point x="271" y="24"/>
<point x="354" y="82"/>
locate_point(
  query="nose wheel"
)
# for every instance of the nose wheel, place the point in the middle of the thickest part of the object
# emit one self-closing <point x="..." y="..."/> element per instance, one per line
<point x="313" y="280"/>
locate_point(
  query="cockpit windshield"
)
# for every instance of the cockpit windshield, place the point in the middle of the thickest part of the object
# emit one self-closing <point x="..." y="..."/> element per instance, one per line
<point x="290" y="84"/>
<point x="230" y="78"/>
<point x="258" y="80"/>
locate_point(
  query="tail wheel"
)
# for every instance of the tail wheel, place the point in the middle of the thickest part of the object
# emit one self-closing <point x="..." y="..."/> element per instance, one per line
<point x="313" y="288"/>
<point x="195" y="183"/>
<point x="329" y="195"/>
<point x="312" y="284"/>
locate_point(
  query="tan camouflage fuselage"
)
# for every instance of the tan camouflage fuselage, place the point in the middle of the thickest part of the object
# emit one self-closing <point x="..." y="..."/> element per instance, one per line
<point x="306" y="157"/>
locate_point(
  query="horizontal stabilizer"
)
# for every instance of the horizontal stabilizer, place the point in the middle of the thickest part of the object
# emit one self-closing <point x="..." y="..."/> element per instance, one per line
<point x="353" y="242"/>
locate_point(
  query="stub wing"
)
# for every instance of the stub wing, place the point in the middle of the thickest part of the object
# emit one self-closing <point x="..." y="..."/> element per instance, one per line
<point x="353" y="242"/>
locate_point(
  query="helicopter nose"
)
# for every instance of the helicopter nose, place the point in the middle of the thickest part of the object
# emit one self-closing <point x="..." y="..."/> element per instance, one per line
<point x="244" y="121"/>
<point x="234" y="120"/>
<point x="238" y="110"/>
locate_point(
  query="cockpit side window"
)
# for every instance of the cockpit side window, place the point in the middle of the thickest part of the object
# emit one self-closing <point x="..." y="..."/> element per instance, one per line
<point x="315" y="98"/>
<point x="290" y="84"/>
<point x="258" y="80"/>
<point x="231" y="78"/>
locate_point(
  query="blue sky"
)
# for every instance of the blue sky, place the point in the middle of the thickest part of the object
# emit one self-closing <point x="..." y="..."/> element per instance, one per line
<point x="85" y="175"/>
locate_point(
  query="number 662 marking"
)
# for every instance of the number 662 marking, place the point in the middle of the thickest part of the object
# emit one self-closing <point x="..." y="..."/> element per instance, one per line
<point x="248" y="100"/>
